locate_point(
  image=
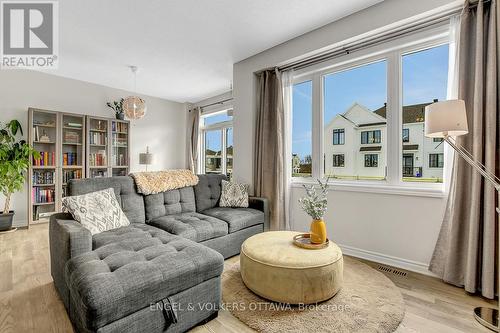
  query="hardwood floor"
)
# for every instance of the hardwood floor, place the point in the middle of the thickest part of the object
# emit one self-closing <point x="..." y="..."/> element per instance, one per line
<point x="29" y="302"/>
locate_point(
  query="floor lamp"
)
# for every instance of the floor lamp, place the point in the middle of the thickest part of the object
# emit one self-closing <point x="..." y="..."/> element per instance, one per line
<point x="445" y="120"/>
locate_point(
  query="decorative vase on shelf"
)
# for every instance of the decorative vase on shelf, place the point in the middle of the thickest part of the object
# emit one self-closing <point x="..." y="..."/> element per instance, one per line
<point x="318" y="232"/>
<point x="315" y="205"/>
<point x="120" y="116"/>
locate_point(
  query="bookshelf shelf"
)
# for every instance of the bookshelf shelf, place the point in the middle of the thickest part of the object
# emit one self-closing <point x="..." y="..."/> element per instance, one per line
<point x="59" y="145"/>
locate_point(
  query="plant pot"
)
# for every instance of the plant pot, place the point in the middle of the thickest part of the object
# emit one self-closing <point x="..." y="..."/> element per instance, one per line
<point x="318" y="232"/>
<point x="6" y="221"/>
<point x="120" y="116"/>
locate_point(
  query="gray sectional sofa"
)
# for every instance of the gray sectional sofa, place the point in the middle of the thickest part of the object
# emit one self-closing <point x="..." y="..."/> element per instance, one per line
<point x="159" y="274"/>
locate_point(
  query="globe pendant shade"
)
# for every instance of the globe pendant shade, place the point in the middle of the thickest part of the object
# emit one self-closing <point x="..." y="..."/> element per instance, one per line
<point x="134" y="107"/>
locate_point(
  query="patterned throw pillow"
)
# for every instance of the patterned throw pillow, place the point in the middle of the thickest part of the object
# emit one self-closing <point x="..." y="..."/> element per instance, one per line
<point x="233" y="195"/>
<point x="97" y="211"/>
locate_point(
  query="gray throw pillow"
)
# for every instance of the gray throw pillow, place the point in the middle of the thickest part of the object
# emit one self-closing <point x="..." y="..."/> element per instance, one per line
<point x="97" y="211"/>
<point x="233" y="195"/>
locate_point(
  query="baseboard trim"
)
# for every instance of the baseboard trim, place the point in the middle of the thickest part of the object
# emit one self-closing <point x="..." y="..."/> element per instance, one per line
<point x="409" y="265"/>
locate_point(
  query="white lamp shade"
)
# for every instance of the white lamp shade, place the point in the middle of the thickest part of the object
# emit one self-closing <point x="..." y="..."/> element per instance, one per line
<point x="445" y="118"/>
<point x="146" y="158"/>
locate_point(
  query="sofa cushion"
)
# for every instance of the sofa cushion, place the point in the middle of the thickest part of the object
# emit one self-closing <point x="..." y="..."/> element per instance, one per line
<point x="131" y="202"/>
<point x="194" y="226"/>
<point x="169" y="202"/>
<point x="133" y="267"/>
<point x="237" y="218"/>
<point x="207" y="191"/>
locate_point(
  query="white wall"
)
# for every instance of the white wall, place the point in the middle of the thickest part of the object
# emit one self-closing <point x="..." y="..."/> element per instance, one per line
<point x="402" y="227"/>
<point x="162" y="129"/>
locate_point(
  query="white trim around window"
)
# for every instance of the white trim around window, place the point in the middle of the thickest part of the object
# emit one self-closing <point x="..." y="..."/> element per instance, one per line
<point x="392" y="53"/>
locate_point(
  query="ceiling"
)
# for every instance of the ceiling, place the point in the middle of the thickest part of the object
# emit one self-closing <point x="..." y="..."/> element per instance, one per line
<point x="185" y="49"/>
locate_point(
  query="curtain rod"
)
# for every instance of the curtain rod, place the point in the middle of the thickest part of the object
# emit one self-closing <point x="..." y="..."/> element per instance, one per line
<point x="371" y="41"/>
<point x="212" y="104"/>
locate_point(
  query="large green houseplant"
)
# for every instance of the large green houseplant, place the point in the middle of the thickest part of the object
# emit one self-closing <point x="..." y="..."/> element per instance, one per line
<point x="15" y="159"/>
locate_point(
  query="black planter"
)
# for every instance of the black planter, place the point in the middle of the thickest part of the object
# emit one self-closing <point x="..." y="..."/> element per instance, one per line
<point x="6" y="221"/>
<point x="120" y="116"/>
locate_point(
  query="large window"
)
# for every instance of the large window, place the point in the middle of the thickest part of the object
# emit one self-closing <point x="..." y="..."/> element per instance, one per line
<point x="361" y="116"/>
<point x="302" y="129"/>
<point x="217" y="143"/>
<point x="425" y="80"/>
<point x="351" y="96"/>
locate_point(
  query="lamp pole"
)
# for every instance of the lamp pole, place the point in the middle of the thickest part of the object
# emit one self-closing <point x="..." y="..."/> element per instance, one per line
<point x="487" y="317"/>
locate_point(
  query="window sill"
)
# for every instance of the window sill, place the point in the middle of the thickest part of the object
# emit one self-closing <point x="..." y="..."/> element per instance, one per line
<point x="379" y="187"/>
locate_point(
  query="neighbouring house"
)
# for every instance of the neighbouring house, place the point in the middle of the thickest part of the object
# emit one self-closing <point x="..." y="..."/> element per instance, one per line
<point x="355" y="145"/>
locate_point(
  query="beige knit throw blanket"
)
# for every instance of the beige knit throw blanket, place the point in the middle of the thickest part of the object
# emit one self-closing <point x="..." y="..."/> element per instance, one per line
<point x="161" y="181"/>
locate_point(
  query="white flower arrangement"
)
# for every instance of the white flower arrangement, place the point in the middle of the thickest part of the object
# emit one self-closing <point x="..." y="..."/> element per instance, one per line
<point x="315" y="203"/>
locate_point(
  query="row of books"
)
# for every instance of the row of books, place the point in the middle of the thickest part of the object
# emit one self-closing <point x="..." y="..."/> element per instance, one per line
<point x="43" y="177"/>
<point x="119" y="127"/>
<point x="71" y="137"/>
<point x="98" y="173"/>
<point x="71" y="174"/>
<point x="97" y="138"/>
<point x="47" y="158"/>
<point x="119" y="142"/>
<point x="42" y="195"/>
<point x="98" y="159"/>
<point x="119" y="160"/>
<point x="70" y="159"/>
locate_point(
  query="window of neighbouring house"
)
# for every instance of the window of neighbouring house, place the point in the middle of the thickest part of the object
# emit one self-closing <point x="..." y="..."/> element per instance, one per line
<point x="424" y="81"/>
<point x="350" y="97"/>
<point x="338" y="160"/>
<point x="217" y="143"/>
<point x="338" y="136"/>
<point x="371" y="160"/>
<point x="406" y="135"/>
<point x="436" y="160"/>
<point x="368" y="137"/>
<point x="302" y="129"/>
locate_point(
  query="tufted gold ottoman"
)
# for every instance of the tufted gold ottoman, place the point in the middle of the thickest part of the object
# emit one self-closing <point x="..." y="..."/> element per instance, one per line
<point x="272" y="267"/>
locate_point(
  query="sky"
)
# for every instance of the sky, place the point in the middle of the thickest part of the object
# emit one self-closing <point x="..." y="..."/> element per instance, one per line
<point x="425" y="76"/>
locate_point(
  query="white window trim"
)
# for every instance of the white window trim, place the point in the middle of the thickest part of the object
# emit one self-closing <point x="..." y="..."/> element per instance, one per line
<point x="222" y="126"/>
<point x="392" y="52"/>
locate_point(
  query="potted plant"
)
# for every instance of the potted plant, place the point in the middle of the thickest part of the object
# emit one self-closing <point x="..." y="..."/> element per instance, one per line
<point x="117" y="106"/>
<point x="15" y="159"/>
<point x="315" y="205"/>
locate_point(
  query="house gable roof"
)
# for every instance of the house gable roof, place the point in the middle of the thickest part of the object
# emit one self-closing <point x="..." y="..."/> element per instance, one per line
<point x="411" y="113"/>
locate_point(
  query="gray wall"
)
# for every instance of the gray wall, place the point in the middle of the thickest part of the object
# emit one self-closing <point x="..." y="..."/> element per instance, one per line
<point x="162" y="129"/>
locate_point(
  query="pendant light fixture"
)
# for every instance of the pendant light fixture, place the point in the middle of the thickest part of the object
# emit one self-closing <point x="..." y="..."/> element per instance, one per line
<point x="134" y="106"/>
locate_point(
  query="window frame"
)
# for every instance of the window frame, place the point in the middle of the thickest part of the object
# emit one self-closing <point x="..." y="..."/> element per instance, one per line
<point x="392" y="52"/>
<point x="343" y="160"/>
<point x="403" y="135"/>
<point x="439" y="165"/>
<point x="222" y="126"/>
<point x="373" y="160"/>
<point x="338" y="131"/>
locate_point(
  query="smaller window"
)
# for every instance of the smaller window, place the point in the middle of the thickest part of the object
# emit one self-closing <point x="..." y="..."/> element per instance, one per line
<point x="371" y="160"/>
<point x="406" y="135"/>
<point x="338" y="136"/>
<point x="338" y="160"/>
<point x="436" y="160"/>
<point x="370" y="137"/>
<point x="437" y="139"/>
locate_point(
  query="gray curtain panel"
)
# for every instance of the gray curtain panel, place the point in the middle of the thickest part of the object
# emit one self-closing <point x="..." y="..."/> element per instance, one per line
<point x="193" y="130"/>
<point x="465" y="250"/>
<point x="268" y="149"/>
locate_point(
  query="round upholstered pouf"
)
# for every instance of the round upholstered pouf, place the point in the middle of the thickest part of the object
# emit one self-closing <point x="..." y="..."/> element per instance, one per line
<point x="274" y="268"/>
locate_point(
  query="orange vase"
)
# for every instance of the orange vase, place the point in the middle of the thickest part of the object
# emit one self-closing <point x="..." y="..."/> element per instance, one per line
<point x="318" y="232"/>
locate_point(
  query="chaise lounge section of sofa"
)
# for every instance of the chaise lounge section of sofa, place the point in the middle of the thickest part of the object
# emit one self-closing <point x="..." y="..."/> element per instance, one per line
<point x="159" y="274"/>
